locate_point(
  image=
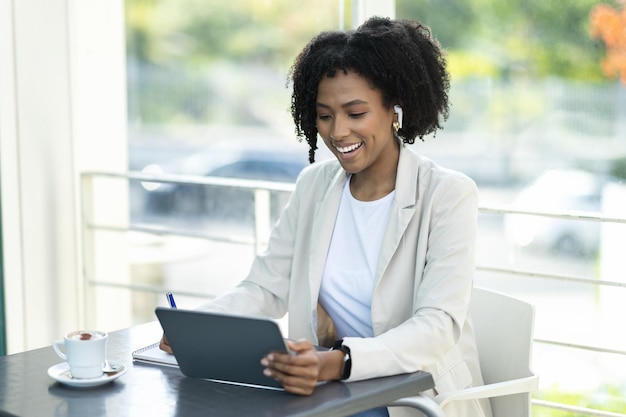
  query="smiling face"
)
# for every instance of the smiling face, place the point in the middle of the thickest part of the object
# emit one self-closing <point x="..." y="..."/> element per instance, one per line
<point x="356" y="126"/>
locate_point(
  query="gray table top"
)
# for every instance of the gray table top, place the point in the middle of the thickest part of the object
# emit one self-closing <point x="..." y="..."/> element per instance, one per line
<point x="149" y="390"/>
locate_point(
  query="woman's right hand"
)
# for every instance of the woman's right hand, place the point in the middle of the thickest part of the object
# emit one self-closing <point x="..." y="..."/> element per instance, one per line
<point x="164" y="345"/>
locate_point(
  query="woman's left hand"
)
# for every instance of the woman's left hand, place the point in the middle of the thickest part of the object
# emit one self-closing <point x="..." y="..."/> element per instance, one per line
<point x="299" y="371"/>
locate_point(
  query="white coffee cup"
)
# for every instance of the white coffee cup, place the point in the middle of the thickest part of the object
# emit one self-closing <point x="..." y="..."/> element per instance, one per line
<point x="85" y="352"/>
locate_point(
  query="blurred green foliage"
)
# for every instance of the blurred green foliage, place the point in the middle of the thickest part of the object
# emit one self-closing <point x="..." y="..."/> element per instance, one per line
<point x="542" y="38"/>
<point x="190" y="59"/>
<point x="499" y="38"/>
<point x="197" y="32"/>
<point x="205" y="61"/>
<point x="609" y="399"/>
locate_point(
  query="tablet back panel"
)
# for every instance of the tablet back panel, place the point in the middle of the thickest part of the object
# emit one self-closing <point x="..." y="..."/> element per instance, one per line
<point x="221" y="347"/>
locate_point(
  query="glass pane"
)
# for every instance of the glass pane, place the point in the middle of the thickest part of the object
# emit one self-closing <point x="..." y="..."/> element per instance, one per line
<point x="207" y="89"/>
<point x="207" y="97"/>
<point x="538" y="121"/>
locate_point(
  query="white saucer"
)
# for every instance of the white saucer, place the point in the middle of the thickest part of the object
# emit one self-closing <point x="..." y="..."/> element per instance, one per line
<point x="61" y="373"/>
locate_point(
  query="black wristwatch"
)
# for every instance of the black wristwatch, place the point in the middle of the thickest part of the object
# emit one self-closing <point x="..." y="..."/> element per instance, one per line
<point x="347" y="358"/>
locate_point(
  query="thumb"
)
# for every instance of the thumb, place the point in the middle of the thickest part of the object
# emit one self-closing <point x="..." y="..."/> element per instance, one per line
<point x="298" y="346"/>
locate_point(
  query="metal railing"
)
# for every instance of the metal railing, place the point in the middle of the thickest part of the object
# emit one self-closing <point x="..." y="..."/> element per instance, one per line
<point x="575" y="216"/>
<point x="261" y="232"/>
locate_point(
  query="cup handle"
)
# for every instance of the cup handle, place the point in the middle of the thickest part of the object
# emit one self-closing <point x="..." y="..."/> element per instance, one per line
<point x="56" y="345"/>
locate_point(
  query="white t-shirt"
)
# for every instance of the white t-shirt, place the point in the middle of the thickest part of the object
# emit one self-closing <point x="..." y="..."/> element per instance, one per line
<point x="348" y="280"/>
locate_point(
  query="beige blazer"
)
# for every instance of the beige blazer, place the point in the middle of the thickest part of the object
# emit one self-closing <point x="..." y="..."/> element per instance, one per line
<point x="423" y="281"/>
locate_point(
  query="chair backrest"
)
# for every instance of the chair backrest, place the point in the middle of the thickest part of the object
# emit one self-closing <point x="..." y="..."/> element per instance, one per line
<point x="504" y="328"/>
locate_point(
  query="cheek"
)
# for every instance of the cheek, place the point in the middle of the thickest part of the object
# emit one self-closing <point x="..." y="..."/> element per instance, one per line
<point x="326" y="141"/>
<point x="322" y="131"/>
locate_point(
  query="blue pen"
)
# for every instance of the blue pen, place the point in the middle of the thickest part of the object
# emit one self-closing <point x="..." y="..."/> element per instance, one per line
<point x="170" y="299"/>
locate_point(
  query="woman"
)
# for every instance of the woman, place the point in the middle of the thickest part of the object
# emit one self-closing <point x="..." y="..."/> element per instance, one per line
<point x="374" y="253"/>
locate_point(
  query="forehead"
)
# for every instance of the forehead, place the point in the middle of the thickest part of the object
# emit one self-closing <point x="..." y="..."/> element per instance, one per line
<point x="346" y="87"/>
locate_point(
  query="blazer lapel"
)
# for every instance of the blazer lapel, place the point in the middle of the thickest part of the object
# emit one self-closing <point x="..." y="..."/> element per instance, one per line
<point x="402" y="208"/>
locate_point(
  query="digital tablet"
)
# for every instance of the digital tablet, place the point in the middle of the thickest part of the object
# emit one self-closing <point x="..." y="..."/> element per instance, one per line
<point x="221" y="347"/>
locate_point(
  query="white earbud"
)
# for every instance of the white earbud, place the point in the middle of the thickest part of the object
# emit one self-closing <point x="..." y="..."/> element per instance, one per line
<point x="398" y="110"/>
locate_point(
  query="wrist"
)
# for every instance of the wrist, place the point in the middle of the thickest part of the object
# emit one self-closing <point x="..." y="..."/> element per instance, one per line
<point x="331" y="365"/>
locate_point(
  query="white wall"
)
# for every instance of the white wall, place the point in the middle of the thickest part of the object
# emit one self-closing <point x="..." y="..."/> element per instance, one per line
<point x="62" y="111"/>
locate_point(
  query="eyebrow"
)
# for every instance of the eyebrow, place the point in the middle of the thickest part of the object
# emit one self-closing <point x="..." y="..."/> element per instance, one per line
<point x="348" y="104"/>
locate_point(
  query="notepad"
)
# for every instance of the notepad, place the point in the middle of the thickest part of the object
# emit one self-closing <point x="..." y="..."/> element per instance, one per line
<point x="152" y="354"/>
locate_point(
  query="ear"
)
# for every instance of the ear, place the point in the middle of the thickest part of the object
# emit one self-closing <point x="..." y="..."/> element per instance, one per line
<point x="398" y="110"/>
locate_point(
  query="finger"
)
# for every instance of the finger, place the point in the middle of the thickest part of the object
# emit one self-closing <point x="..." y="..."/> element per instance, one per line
<point x="308" y="371"/>
<point x="295" y="385"/>
<point x="164" y="345"/>
<point x="307" y="358"/>
<point x="298" y="346"/>
<point x="302" y="352"/>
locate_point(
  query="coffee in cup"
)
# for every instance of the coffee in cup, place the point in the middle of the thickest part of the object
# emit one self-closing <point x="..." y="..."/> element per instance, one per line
<point x="85" y="352"/>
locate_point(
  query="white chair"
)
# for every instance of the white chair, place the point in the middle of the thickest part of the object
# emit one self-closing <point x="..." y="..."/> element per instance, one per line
<point x="504" y="328"/>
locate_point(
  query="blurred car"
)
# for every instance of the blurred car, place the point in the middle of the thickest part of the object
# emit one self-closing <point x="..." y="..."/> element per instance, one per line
<point x="278" y="161"/>
<point x="557" y="191"/>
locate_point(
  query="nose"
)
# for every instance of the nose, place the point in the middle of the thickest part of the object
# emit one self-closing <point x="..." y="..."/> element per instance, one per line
<point x="340" y="128"/>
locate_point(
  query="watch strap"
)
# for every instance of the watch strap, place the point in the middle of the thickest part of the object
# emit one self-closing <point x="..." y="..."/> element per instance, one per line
<point x="347" y="358"/>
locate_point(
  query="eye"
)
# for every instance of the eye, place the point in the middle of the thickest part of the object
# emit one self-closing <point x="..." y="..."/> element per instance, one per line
<point x="357" y="115"/>
<point x="323" y="116"/>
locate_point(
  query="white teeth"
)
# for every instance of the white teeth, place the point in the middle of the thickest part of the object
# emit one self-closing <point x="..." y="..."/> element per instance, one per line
<point x="349" y="148"/>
